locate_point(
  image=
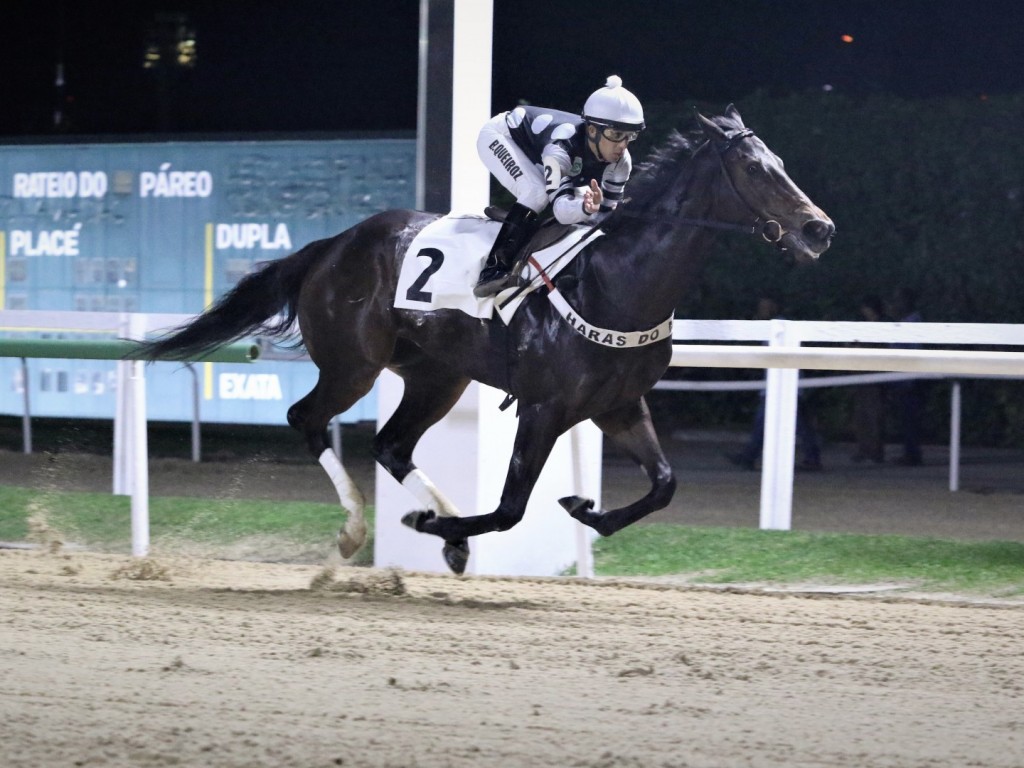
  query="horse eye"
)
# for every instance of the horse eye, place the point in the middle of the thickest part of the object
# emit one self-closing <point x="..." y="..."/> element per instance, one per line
<point x="753" y="169"/>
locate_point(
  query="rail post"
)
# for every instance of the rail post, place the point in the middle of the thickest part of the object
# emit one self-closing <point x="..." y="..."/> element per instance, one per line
<point x="954" y="437"/>
<point x="26" y="409"/>
<point x="779" y="449"/>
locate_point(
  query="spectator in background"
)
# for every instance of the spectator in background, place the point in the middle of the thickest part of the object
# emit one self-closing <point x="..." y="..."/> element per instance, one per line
<point x="907" y="396"/>
<point x="869" y="399"/>
<point x="769" y="308"/>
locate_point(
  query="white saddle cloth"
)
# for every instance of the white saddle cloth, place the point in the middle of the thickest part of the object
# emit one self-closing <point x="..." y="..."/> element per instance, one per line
<point x="443" y="264"/>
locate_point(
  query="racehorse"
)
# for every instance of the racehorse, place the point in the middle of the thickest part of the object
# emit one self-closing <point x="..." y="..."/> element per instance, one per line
<point x="341" y="292"/>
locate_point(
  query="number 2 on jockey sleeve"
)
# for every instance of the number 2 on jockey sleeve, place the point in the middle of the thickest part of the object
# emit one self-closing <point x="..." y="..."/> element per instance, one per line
<point x="552" y="175"/>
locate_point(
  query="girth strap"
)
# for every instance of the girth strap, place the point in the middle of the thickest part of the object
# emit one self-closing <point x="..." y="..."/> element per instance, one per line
<point x="603" y="336"/>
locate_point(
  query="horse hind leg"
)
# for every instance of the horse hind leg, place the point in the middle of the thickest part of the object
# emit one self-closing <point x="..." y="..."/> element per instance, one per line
<point x="352" y="535"/>
<point x="311" y="415"/>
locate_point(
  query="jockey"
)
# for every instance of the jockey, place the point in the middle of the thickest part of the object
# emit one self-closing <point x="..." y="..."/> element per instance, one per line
<point x="578" y="164"/>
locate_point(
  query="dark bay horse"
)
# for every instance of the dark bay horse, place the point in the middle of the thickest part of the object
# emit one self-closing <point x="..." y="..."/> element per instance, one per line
<point x="341" y="291"/>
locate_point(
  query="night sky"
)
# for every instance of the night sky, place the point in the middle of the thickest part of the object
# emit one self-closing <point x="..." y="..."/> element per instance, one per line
<point x="351" y="65"/>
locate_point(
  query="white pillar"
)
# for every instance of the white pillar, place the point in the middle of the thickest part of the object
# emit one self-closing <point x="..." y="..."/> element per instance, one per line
<point x="471" y="102"/>
<point x="466" y="454"/>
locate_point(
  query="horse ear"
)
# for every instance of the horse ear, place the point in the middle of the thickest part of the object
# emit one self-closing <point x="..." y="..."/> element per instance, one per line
<point x="734" y="114"/>
<point x="712" y="131"/>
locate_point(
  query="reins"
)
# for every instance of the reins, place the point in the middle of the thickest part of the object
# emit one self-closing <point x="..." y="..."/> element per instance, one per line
<point x="747" y="229"/>
<point x="541" y="275"/>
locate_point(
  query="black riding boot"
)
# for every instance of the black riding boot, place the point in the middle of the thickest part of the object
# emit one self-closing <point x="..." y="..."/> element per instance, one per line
<point x="497" y="272"/>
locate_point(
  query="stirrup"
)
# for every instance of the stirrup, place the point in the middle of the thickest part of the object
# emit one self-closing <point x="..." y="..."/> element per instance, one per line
<point x="495" y="278"/>
<point x="491" y="286"/>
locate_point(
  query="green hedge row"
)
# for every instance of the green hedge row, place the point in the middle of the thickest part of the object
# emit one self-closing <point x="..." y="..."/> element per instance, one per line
<point x="927" y="194"/>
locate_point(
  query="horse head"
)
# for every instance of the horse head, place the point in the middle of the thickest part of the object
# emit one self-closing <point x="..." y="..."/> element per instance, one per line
<point x="785" y="215"/>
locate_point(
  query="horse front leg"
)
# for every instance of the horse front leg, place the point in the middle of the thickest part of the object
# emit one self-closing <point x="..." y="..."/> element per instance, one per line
<point x="631" y="429"/>
<point x="430" y="391"/>
<point x="536" y="434"/>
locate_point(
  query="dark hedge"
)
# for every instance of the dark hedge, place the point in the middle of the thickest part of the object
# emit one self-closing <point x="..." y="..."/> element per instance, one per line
<point x="927" y="194"/>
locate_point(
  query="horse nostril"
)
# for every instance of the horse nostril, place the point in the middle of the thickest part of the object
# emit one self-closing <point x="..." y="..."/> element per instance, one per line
<point x="819" y="230"/>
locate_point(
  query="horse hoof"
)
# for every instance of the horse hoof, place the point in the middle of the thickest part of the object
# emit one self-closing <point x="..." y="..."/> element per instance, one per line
<point x="576" y="505"/>
<point x="582" y="511"/>
<point x="417" y="519"/>
<point x="456" y="555"/>
<point x="350" y="542"/>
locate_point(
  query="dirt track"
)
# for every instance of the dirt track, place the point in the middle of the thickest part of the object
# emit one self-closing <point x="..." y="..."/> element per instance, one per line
<point x="103" y="663"/>
<point x="245" y="664"/>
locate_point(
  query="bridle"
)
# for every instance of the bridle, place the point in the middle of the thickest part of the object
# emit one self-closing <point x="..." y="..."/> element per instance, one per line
<point x="771" y="230"/>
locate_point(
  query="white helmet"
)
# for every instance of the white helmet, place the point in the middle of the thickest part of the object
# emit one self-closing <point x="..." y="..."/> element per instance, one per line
<point x="615" y="107"/>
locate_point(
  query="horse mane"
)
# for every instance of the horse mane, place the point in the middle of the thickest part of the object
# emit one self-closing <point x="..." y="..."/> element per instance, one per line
<point x="658" y="171"/>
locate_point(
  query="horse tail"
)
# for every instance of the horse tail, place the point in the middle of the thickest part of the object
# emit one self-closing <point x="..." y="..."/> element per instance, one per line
<point x="263" y="302"/>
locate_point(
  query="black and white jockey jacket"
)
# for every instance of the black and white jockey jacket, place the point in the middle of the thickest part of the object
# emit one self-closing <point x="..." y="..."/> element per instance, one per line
<point x="548" y="133"/>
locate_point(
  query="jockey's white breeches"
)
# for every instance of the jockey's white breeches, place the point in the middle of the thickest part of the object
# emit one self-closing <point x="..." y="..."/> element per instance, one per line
<point x="510" y="165"/>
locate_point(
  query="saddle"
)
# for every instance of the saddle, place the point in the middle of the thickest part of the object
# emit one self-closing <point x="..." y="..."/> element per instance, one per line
<point x="547" y="231"/>
<point x="442" y="264"/>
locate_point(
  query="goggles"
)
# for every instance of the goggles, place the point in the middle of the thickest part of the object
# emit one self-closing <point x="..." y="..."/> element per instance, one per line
<point x="616" y="136"/>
